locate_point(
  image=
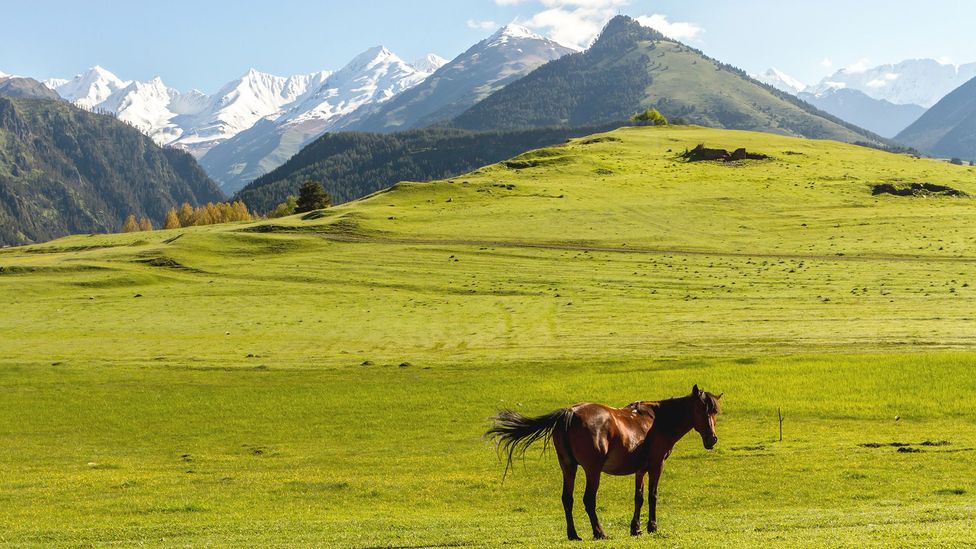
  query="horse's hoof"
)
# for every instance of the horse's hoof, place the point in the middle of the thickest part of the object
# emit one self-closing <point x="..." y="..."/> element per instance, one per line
<point x="600" y="536"/>
<point x="636" y="533"/>
<point x="575" y="537"/>
<point x="652" y="527"/>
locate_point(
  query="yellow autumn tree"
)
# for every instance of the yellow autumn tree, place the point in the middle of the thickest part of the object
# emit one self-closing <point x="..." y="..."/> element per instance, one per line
<point x="172" y="220"/>
<point x="186" y="215"/>
<point x="130" y="225"/>
<point x="145" y="224"/>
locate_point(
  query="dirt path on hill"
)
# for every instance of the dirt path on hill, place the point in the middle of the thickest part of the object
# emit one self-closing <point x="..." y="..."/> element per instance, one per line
<point x="640" y="250"/>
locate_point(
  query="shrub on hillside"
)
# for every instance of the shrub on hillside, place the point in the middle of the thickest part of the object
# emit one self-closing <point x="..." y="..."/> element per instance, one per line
<point x="650" y="117"/>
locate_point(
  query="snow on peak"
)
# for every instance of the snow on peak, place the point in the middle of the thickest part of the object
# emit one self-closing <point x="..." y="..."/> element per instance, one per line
<point x="429" y="63"/>
<point x="90" y="88"/>
<point x="781" y="81"/>
<point x="513" y="30"/>
<point x="914" y="81"/>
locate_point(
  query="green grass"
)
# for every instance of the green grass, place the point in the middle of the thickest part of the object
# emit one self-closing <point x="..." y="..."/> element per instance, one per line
<point x="253" y="394"/>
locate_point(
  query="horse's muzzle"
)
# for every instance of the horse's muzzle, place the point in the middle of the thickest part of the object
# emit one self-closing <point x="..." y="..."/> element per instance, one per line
<point x="710" y="442"/>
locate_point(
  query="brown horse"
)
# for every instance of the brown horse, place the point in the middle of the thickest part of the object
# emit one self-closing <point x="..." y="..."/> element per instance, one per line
<point x="634" y="440"/>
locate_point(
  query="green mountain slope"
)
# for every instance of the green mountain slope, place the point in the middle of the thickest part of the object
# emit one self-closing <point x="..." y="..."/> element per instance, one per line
<point x="631" y="68"/>
<point x="64" y="170"/>
<point x="352" y="165"/>
<point x="948" y="129"/>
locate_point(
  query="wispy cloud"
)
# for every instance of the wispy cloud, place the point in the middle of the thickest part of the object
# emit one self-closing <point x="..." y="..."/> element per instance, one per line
<point x="481" y="25"/>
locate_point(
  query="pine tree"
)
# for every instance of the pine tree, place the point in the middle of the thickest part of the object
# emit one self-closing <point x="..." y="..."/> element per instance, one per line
<point x="145" y="224"/>
<point x="130" y="225"/>
<point x="172" y="220"/>
<point x="312" y="197"/>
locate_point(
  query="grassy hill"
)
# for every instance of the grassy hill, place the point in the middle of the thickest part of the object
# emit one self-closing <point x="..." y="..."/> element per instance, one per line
<point x="352" y="165"/>
<point x="631" y="68"/>
<point x="325" y="381"/>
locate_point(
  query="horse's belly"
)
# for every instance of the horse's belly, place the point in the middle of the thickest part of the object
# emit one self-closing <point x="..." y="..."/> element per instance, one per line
<point x="621" y="462"/>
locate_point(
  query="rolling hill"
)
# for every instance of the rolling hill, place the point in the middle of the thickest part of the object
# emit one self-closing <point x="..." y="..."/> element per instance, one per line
<point x="297" y="381"/>
<point x="64" y="171"/>
<point x="630" y="68"/>
<point x="948" y="129"/>
<point x="352" y="165"/>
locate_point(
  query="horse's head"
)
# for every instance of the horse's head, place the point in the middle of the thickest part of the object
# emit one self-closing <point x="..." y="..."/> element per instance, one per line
<point x="705" y="408"/>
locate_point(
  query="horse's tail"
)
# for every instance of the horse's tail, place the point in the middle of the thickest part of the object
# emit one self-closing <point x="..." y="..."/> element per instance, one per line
<point x="513" y="433"/>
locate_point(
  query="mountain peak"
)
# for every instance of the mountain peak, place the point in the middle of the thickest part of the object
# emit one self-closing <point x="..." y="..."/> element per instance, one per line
<point x="623" y="27"/>
<point x="514" y="30"/>
<point x="429" y="63"/>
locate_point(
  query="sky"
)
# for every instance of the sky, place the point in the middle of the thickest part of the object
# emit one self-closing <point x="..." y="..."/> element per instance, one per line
<point x="203" y="44"/>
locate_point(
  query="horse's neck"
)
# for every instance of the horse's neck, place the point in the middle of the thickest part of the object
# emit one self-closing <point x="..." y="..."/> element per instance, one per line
<point x="672" y="418"/>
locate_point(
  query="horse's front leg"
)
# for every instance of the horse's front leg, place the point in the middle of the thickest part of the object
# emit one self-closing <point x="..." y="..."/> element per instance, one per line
<point x="635" y="528"/>
<point x="654" y="476"/>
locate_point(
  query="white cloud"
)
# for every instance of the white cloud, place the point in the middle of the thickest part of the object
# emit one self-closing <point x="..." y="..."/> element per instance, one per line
<point x="574" y="28"/>
<point x="862" y="65"/>
<point x="576" y="23"/>
<point x="877" y="83"/>
<point x="676" y="30"/>
<point x="827" y="63"/>
<point x="481" y="25"/>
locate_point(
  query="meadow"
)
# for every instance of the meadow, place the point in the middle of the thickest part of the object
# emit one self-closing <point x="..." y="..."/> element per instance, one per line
<point x="326" y="380"/>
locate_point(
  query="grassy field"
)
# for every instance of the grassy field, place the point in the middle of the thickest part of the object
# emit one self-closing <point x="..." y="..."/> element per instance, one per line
<point x="326" y="381"/>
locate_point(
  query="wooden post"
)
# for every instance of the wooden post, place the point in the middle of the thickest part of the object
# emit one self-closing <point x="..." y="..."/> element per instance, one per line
<point x="779" y="413"/>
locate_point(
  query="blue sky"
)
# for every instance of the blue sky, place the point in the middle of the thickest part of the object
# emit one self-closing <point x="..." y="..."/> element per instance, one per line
<point x="205" y="43"/>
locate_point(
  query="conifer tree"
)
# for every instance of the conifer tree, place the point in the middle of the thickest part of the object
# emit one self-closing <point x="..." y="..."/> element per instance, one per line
<point x="130" y="225"/>
<point x="145" y="224"/>
<point x="172" y="220"/>
<point x="312" y="197"/>
<point x="186" y="215"/>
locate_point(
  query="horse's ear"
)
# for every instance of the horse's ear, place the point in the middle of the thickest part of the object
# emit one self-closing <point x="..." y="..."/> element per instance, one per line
<point x="719" y="396"/>
<point x="695" y="391"/>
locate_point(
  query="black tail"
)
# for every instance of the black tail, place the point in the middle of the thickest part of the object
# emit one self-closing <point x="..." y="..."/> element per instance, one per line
<point x="514" y="433"/>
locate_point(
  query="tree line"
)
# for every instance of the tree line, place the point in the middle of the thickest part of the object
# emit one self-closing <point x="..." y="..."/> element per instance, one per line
<point x="188" y="216"/>
<point x="311" y="196"/>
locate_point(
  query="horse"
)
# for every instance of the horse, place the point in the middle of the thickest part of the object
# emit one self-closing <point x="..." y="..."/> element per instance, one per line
<point x="633" y="440"/>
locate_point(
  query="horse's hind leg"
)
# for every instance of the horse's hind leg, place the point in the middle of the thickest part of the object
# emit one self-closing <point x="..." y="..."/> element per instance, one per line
<point x="569" y="483"/>
<point x="569" y="467"/>
<point x="589" y="500"/>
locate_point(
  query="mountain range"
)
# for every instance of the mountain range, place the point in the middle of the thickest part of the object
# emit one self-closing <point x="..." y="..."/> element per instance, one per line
<point x="485" y="68"/>
<point x="197" y="122"/>
<point x="630" y="68"/>
<point x="507" y="55"/>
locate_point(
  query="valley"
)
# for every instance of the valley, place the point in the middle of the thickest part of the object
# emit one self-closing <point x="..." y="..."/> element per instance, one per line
<point x="299" y="381"/>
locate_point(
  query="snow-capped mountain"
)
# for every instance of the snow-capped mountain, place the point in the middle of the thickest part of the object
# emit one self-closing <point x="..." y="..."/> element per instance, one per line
<point x="372" y="77"/>
<point x="429" y="63"/>
<point x="916" y="81"/>
<point x="238" y="106"/>
<point x="781" y="81"/>
<point x="197" y="122"/>
<point x="90" y="89"/>
<point x="507" y="55"/>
